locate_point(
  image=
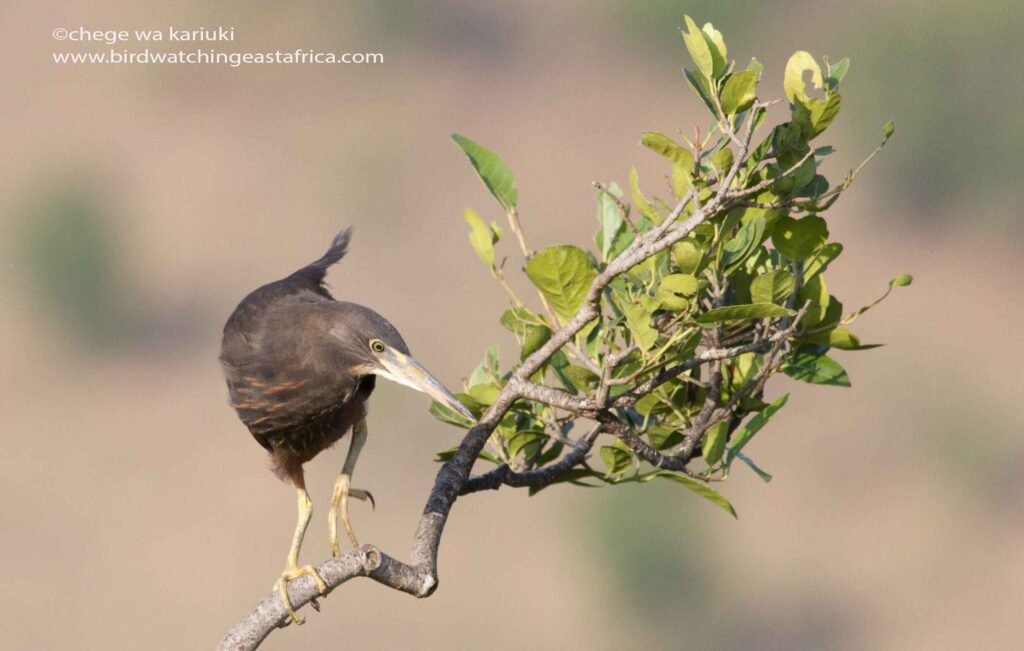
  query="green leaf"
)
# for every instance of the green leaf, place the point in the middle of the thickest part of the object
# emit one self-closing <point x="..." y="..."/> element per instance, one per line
<point x="746" y="431"/>
<point x="488" y="371"/>
<point x="701" y="489"/>
<point x="799" y="239"/>
<point x="823" y="111"/>
<point x="753" y="466"/>
<point x="814" y="290"/>
<point x="676" y="290"/>
<point x="638" y="320"/>
<point x="788" y="179"/>
<point x="721" y="159"/>
<point x="837" y="72"/>
<point x="492" y="171"/>
<point x="484" y="394"/>
<point x="582" y="378"/>
<point x="664" y="435"/>
<point x="714" y="442"/>
<point x="536" y="336"/>
<point x="840" y="338"/>
<point x="563" y="274"/>
<point x="901" y="280"/>
<point x="480" y="236"/>
<point x="446" y="415"/>
<point x="772" y="287"/>
<point x="718" y="50"/>
<point x="700" y="85"/>
<point x="670" y="149"/>
<point x="821" y="260"/>
<point x="523" y="439"/>
<point x="682" y="181"/>
<point x="700" y="47"/>
<point x="743" y="312"/>
<point x="793" y="81"/>
<point x="616" y="459"/>
<point x="816" y="368"/>
<point x="610" y="219"/>
<point x="739" y="92"/>
<point x="755" y="66"/>
<point x="645" y="207"/>
<point x="888" y="129"/>
<point x="745" y="242"/>
<point x="519" y="320"/>
<point x="686" y="256"/>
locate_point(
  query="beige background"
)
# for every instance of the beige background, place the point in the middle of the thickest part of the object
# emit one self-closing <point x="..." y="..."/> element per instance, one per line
<point x="139" y="204"/>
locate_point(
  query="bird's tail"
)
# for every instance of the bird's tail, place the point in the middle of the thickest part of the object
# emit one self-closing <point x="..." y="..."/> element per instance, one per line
<point x="315" y="271"/>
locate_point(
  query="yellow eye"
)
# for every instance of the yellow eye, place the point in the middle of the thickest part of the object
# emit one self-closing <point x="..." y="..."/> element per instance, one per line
<point x="377" y="346"/>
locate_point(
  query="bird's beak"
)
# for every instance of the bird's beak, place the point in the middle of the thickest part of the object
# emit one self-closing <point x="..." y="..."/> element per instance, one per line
<point x="404" y="369"/>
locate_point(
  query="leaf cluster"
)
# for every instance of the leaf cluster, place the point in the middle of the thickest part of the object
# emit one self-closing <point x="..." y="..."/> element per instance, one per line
<point x="728" y="290"/>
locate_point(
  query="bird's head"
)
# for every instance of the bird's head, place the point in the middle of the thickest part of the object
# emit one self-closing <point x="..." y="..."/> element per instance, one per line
<point x="369" y="344"/>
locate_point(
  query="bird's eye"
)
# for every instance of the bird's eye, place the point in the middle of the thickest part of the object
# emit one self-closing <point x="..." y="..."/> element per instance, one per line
<point x="377" y="346"/>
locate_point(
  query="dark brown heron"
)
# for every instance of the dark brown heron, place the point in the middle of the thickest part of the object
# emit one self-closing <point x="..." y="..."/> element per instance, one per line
<point x="300" y="367"/>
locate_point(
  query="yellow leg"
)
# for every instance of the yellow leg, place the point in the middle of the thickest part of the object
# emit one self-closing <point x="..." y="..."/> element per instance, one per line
<point x="292" y="569"/>
<point x="343" y="490"/>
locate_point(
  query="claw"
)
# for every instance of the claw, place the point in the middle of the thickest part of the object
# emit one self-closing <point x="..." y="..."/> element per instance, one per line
<point x="289" y="574"/>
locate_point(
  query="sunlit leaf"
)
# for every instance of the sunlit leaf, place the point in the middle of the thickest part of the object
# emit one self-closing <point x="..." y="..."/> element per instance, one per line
<point x="793" y="82"/>
<point x="676" y="290"/>
<point x="799" y="239"/>
<point x="536" y="336"/>
<point x="642" y="205"/>
<point x="714" y="442"/>
<point x="480" y="236"/>
<point x="493" y="171"/>
<point x="670" y="149"/>
<point x="639" y="322"/>
<point x="563" y="274"/>
<point x="772" y="287"/>
<point x="616" y="459"/>
<point x="701" y="48"/>
<point x="610" y="219"/>
<point x="739" y="92"/>
<point x="686" y="256"/>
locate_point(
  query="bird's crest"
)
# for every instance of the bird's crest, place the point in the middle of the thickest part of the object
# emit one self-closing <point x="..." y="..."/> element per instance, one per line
<point x="315" y="271"/>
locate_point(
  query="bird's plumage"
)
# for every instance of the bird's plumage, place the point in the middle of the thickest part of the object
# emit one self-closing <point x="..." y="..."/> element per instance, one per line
<point x="297" y="387"/>
<point x="300" y="367"/>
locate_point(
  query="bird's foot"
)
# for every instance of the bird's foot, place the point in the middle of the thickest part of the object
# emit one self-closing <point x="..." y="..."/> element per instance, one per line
<point x="281" y="586"/>
<point x="339" y="503"/>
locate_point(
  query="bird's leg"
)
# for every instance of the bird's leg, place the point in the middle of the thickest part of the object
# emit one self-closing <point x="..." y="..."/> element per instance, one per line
<point x="292" y="569"/>
<point x="343" y="490"/>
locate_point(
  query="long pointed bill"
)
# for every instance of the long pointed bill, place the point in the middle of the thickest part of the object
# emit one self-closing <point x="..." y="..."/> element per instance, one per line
<point x="404" y="369"/>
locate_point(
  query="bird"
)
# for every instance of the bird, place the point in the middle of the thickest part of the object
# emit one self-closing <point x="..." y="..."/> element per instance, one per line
<point x="300" y="367"/>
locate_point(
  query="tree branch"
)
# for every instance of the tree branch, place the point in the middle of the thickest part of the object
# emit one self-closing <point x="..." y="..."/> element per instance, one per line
<point x="418" y="577"/>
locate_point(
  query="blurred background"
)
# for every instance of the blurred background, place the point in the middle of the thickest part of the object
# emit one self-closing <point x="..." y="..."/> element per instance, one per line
<point x="138" y="204"/>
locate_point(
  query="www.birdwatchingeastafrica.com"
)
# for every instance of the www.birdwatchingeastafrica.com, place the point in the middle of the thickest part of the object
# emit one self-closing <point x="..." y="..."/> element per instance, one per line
<point x="233" y="59"/>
